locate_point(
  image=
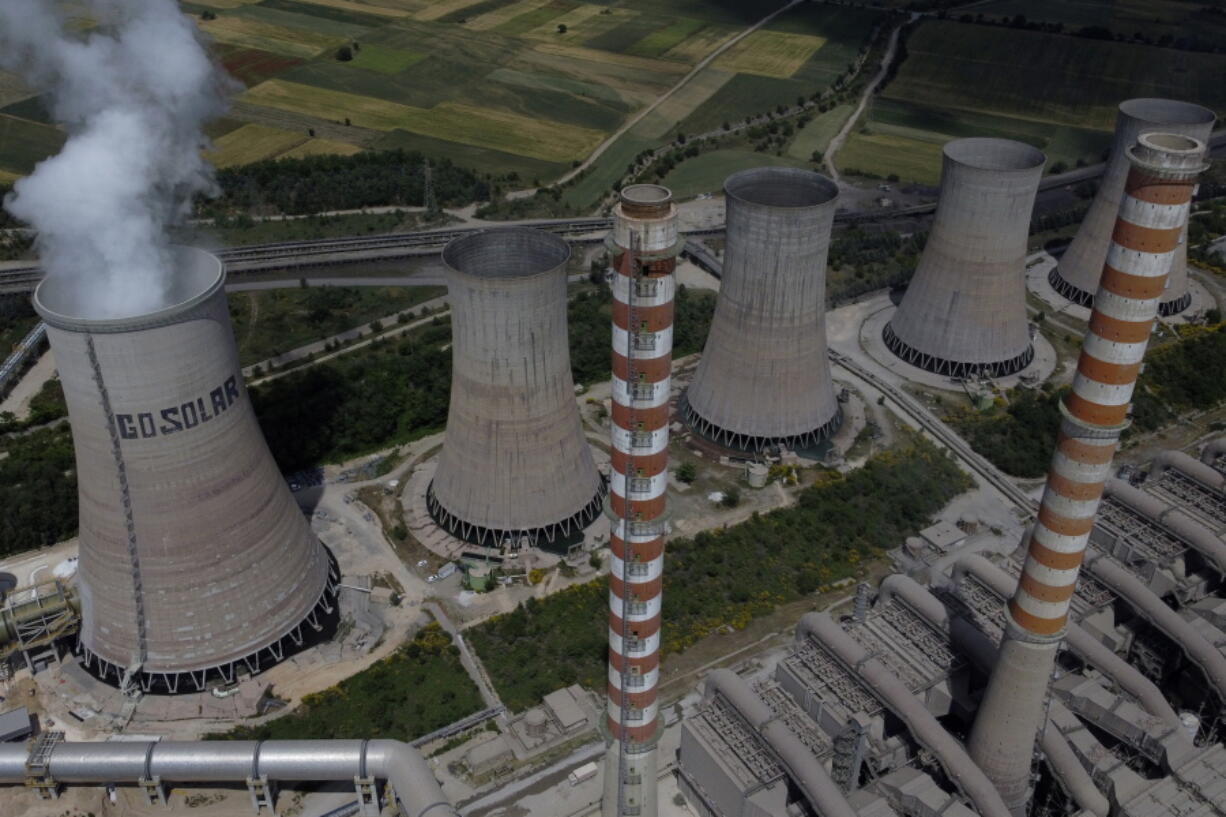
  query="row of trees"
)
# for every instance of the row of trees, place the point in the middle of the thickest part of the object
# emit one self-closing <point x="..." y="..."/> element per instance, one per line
<point x="317" y="184"/>
<point x="744" y="572"/>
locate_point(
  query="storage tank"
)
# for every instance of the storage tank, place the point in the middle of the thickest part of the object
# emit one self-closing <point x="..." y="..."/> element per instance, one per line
<point x="195" y="559"/>
<point x="515" y="464"/>
<point x="1076" y="276"/>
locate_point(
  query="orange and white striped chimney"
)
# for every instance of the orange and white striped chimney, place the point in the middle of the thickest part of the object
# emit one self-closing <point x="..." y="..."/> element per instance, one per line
<point x="1158" y="194"/>
<point x="644" y="245"/>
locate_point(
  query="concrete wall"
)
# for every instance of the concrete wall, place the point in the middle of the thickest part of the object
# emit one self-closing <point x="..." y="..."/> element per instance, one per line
<point x="965" y="308"/>
<point x="514" y="458"/>
<point x="764" y="375"/>
<point x="211" y="546"/>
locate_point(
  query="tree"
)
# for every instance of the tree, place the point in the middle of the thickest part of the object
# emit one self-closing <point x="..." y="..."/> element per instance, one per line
<point x="817" y="157"/>
<point x="208" y="15"/>
<point x="562" y="28"/>
<point x="344" y="54"/>
<point x="687" y="473"/>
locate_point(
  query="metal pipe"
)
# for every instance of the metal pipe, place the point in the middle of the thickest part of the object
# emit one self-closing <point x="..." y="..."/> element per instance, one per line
<point x="1190" y="467"/>
<point x="976" y="644"/>
<point x="810" y="775"/>
<point x="238" y="761"/>
<point x="1158" y="195"/>
<point x="958" y="766"/>
<point x="1215" y="448"/>
<point x="1154" y="610"/>
<point x="1174" y="519"/>
<point x="1081" y="642"/>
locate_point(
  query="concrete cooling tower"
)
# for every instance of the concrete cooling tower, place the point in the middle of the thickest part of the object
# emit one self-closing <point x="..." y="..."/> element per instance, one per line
<point x="964" y="313"/>
<point x="1076" y="276"/>
<point x="764" y="379"/>
<point x="515" y="463"/>
<point x="195" y="559"/>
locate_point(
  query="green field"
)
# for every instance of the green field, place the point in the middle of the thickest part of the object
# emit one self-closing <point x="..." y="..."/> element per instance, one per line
<point x="1152" y="18"/>
<point x="1062" y="98"/>
<point x="818" y="133"/>
<point x="706" y="173"/>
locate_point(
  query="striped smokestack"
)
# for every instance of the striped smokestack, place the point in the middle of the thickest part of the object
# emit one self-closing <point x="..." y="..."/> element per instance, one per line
<point x="1153" y="212"/>
<point x="644" y="246"/>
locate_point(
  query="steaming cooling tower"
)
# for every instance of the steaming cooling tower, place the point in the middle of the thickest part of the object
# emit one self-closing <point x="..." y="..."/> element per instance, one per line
<point x="195" y="558"/>
<point x="764" y="378"/>
<point x="964" y="312"/>
<point x="1076" y="276"/>
<point x="515" y="463"/>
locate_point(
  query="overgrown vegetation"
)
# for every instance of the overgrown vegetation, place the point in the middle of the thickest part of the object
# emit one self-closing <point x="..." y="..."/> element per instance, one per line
<point x="1018" y="439"/>
<point x="416" y="690"/>
<point x="862" y="261"/>
<point x="317" y="184"/>
<point x="38" y="489"/>
<point x="744" y="572"/>
<point x="392" y="392"/>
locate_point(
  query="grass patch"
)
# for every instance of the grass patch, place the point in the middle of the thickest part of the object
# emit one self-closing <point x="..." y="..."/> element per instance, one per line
<point x="247" y="33"/>
<point x="24" y="144"/>
<point x="692" y="96"/>
<point x="343" y="10"/>
<point x="478" y="158"/>
<point x="550" y="141"/>
<point x="697" y="46"/>
<point x="744" y="573"/>
<point x="816" y="135"/>
<point x="583" y="23"/>
<point x="420" y="688"/>
<point x="602" y="176"/>
<point x="269" y="322"/>
<point x="504" y="14"/>
<point x="251" y="143"/>
<point x="770" y="53"/>
<point x="320" y="147"/>
<point x="665" y="67"/>
<point x="881" y="153"/>
<point x="662" y="40"/>
<point x="374" y="57"/>
<point x="706" y="173"/>
<point x="337" y="24"/>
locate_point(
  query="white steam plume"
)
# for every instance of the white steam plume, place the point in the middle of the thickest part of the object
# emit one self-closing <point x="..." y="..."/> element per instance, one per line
<point x="133" y="94"/>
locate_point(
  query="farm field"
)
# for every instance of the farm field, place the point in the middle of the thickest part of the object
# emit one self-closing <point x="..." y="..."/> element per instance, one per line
<point x="706" y="173"/>
<point x="818" y="133"/>
<point x="251" y="143"/>
<point x="1154" y="18"/>
<point x="1062" y="99"/>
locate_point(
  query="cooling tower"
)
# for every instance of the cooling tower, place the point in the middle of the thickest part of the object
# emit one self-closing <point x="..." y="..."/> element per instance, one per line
<point x="764" y="379"/>
<point x="515" y="463"/>
<point x="195" y="558"/>
<point x="1145" y="234"/>
<point x="1076" y="276"/>
<point x="964" y="312"/>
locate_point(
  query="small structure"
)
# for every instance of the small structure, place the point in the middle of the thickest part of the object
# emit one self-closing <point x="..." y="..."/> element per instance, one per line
<point x="492" y="756"/>
<point x="943" y="536"/>
<point x="756" y="473"/>
<point x="15" y="725"/>
<point x="563" y="706"/>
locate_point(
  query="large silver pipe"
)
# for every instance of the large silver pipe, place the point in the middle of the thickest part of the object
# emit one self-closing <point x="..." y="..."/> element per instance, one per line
<point x="1154" y="610"/>
<point x="1174" y="519"/>
<point x="1213" y="450"/>
<point x="810" y="775"/>
<point x="976" y="644"/>
<point x="1189" y="467"/>
<point x="952" y="756"/>
<point x="236" y="761"/>
<point x="1089" y="648"/>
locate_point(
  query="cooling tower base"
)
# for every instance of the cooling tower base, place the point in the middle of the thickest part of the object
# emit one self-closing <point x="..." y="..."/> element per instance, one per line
<point x="1167" y="309"/>
<point x="548" y="537"/>
<point x="745" y="442"/>
<point x="954" y="368"/>
<point x="319" y="624"/>
<point x="1073" y="293"/>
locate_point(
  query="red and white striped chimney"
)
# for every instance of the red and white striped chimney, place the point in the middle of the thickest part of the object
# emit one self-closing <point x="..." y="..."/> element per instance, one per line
<point x="644" y="246"/>
<point x="1158" y="194"/>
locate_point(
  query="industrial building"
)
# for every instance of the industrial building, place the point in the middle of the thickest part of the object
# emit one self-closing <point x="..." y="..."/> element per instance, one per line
<point x="943" y="698"/>
<point x="964" y="312"/>
<point x="870" y="715"/>
<point x="644" y="246"/>
<point x="515" y="468"/>
<point x="195" y="560"/>
<point x="1076" y="275"/>
<point x="764" y="379"/>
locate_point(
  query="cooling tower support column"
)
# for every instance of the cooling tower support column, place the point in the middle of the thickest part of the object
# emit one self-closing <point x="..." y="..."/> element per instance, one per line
<point x="1158" y="193"/>
<point x="764" y="379"/>
<point x="1076" y="276"/>
<point x="964" y="312"/>
<point x="644" y="246"/>
<point x="515" y="466"/>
